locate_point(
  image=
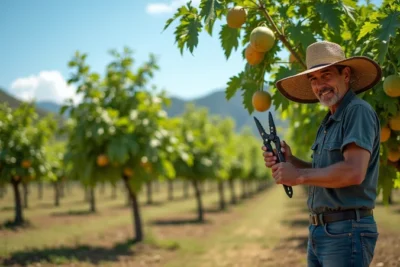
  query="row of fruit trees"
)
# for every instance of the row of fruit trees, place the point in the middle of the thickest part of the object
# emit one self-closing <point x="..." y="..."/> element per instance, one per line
<point x="267" y="28"/>
<point x="120" y="132"/>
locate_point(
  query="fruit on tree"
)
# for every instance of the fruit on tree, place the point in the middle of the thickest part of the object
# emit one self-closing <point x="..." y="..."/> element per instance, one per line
<point x="391" y="85"/>
<point x="236" y="17"/>
<point x="262" y="39"/>
<point x="385" y="134"/>
<point x="393" y="155"/>
<point x="128" y="172"/>
<point x="261" y="101"/>
<point x="102" y="160"/>
<point x="394" y="123"/>
<point x="252" y="56"/>
<point x="26" y="164"/>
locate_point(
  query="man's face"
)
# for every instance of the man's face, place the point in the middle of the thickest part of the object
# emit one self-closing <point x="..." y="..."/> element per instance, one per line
<point x="328" y="85"/>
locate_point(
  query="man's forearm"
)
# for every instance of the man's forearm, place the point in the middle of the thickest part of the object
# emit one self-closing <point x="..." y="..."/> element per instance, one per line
<point x="298" y="163"/>
<point x="338" y="175"/>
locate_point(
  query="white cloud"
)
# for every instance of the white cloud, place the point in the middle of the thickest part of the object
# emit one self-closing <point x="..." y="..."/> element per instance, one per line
<point x="161" y="8"/>
<point x="46" y="86"/>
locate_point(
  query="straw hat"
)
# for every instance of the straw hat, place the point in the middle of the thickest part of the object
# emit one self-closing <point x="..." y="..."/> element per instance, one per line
<point x="365" y="73"/>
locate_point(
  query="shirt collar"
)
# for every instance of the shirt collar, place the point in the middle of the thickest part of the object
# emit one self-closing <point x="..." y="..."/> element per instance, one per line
<point x="337" y="116"/>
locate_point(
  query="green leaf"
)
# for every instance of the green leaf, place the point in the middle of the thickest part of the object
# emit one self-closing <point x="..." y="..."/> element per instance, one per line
<point x="277" y="98"/>
<point x="348" y="10"/>
<point x="300" y="35"/>
<point x="229" y="39"/>
<point x="63" y="109"/>
<point x="249" y="88"/>
<point x="187" y="33"/>
<point x="389" y="26"/>
<point x="233" y="85"/>
<point x="180" y="12"/>
<point x="367" y="28"/>
<point x="208" y="10"/>
<point x="330" y="13"/>
<point x="117" y="150"/>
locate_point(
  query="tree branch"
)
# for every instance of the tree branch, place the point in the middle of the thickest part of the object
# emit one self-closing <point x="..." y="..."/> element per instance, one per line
<point x="280" y="35"/>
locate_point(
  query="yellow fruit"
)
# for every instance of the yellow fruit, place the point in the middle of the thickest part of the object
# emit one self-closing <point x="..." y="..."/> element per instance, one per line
<point x="253" y="57"/>
<point x="128" y="172"/>
<point x="391" y="85"/>
<point x="236" y="17"/>
<point x="394" y="123"/>
<point x="262" y="39"/>
<point x="261" y="101"/>
<point x="385" y="134"/>
<point x="26" y="164"/>
<point x="393" y="155"/>
<point x="102" y="160"/>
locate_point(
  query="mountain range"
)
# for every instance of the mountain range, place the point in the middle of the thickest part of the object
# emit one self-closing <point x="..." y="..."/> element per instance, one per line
<point x="215" y="102"/>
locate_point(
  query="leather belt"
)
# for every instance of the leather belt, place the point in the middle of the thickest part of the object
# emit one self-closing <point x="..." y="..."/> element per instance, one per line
<point x="328" y="217"/>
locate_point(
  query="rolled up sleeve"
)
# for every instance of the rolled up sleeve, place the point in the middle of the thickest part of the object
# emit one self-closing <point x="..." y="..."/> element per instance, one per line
<point x="360" y="127"/>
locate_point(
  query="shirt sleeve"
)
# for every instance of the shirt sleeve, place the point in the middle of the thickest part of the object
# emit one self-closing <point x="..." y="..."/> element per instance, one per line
<point x="360" y="126"/>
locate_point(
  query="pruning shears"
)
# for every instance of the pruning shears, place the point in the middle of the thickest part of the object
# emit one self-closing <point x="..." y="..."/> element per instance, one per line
<point x="272" y="137"/>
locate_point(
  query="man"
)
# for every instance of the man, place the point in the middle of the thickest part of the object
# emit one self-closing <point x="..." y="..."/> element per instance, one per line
<point x="343" y="174"/>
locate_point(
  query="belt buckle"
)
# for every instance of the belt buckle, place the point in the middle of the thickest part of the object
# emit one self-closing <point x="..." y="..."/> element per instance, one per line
<point x="314" y="219"/>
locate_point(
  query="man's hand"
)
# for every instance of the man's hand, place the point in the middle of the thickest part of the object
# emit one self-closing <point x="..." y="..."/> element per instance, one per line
<point x="286" y="173"/>
<point x="271" y="160"/>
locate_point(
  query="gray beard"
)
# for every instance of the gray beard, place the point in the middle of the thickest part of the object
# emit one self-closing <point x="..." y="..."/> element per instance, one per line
<point x="334" y="99"/>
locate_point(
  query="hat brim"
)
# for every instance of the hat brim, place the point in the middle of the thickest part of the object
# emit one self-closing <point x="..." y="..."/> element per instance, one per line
<point x="366" y="73"/>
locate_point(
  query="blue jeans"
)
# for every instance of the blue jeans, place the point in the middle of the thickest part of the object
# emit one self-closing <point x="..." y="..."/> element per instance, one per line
<point x="342" y="243"/>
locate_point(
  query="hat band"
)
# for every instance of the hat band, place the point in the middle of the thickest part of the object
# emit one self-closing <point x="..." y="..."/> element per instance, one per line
<point x="319" y="65"/>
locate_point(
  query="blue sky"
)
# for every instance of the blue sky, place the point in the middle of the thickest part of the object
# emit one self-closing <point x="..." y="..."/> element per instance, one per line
<point x="40" y="37"/>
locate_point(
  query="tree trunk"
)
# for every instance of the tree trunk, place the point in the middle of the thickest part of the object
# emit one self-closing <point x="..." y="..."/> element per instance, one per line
<point x="149" y="193"/>
<point x="221" y="195"/>
<point x="137" y="221"/>
<point x="390" y="200"/>
<point x="170" y="190"/>
<point x="102" y="188"/>
<point x="87" y="194"/>
<point x="19" y="219"/>
<point x="2" y="191"/>
<point x="40" y="190"/>
<point x="185" y="189"/>
<point x="200" y="212"/>
<point x="114" y="192"/>
<point x="26" y="193"/>
<point x="92" y="199"/>
<point x="243" y="182"/>
<point x="232" y="188"/>
<point x="56" y="193"/>
<point x="61" y="188"/>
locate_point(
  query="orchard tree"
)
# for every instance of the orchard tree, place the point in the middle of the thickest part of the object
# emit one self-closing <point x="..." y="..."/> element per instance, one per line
<point x="22" y="156"/>
<point x="268" y="29"/>
<point x="119" y="131"/>
<point x="224" y="153"/>
<point x="197" y="131"/>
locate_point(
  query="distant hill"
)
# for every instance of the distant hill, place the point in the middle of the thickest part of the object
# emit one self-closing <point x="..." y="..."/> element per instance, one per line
<point x="14" y="103"/>
<point x="215" y="102"/>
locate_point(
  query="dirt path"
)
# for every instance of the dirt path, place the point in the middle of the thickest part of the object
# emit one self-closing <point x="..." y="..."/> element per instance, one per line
<point x="268" y="229"/>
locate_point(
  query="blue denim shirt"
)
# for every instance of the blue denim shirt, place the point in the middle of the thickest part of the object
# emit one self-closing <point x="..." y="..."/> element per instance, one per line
<point x="354" y="121"/>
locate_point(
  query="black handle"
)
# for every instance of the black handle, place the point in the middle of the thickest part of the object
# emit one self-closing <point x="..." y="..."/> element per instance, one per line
<point x="281" y="158"/>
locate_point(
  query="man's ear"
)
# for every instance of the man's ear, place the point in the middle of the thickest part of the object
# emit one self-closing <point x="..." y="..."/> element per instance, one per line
<point x="346" y="72"/>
